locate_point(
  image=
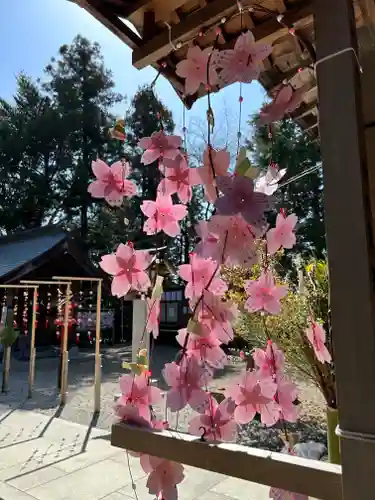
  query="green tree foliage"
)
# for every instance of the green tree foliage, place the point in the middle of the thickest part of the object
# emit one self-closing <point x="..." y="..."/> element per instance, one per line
<point x="294" y="150"/>
<point x="82" y="92"/>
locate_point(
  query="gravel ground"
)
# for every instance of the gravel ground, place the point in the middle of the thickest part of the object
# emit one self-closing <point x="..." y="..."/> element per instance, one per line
<point x="79" y="407"/>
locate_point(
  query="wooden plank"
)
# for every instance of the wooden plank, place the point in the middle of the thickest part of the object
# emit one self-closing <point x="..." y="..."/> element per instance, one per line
<point x="126" y="9"/>
<point x="348" y="223"/>
<point x="316" y="479"/>
<point x="159" y="46"/>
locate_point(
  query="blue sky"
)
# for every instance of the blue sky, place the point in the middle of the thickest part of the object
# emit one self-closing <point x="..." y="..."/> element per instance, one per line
<point x="33" y="30"/>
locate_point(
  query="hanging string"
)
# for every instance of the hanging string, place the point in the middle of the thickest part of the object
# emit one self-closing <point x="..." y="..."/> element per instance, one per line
<point x="240" y="98"/>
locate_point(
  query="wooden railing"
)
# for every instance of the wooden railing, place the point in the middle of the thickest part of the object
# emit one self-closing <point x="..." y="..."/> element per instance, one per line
<point x="318" y="480"/>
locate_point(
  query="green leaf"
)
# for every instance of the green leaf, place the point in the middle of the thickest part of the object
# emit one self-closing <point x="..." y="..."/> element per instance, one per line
<point x="8" y="335"/>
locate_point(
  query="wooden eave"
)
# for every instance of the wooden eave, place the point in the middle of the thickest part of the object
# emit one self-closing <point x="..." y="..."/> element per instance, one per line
<point x="160" y="32"/>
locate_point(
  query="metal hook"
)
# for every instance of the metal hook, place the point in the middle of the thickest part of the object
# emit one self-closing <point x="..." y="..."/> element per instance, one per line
<point x="202" y="438"/>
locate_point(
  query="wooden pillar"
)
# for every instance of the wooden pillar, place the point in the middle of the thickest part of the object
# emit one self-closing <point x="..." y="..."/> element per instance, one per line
<point x="348" y="239"/>
<point x="140" y="338"/>
<point x="98" y="363"/>
<point x="32" y="344"/>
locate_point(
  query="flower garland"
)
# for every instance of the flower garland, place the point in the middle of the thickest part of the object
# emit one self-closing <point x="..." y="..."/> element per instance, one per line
<point x="236" y="234"/>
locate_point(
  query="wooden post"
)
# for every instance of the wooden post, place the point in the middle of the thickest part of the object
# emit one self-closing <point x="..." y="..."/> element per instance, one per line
<point x="140" y="338"/>
<point x="347" y="217"/>
<point x="64" y="359"/>
<point x="32" y="344"/>
<point x="98" y="367"/>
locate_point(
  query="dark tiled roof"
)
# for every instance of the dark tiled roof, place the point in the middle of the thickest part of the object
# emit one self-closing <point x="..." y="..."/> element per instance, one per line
<point x="20" y="248"/>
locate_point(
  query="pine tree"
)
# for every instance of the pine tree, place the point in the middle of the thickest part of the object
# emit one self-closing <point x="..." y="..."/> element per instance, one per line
<point x="294" y="150"/>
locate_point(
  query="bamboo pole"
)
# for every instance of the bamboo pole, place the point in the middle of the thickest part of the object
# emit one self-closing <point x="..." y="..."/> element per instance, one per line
<point x="32" y="344"/>
<point x="64" y="353"/>
<point x="98" y="368"/>
<point x="98" y="363"/>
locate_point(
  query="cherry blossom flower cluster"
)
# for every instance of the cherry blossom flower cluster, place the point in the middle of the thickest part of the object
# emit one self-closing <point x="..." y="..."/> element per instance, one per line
<point x="232" y="236"/>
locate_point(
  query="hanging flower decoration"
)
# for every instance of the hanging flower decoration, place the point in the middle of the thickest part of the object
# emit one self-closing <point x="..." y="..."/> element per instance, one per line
<point x="286" y="101"/>
<point x="128" y="268"/>
<point x="264" y="294"/>
<point x="137" y="392"/>
<point x="215" y="164"/>
<point x="163" y="215"/>
<point x="282" y="236"/>
<point x="153" y="315"/>
<point x="237" y="248"/>
<point x="244" y="62"/>
<point x="163" y="478"/>
<point x="159" y="146"/>
<point x="203" y="347"/>
<point x="317" y="337"/>
<point x="177" y="178"/>
<point x="186" y="381"/>
<point x="239" y="197"/>
<point x="194" y="69"/>
<point x="268" y="183"/>
<point x="111" y="183"/>
<point x="253" y="395"/>
<point x="233" y="235"/>
<point x="201" y="274"/>
<point x="217" y="422"/>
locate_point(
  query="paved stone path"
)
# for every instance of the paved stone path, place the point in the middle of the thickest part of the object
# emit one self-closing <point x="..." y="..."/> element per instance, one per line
<point x="47" y="458"/>
<point x="80" y="398"/>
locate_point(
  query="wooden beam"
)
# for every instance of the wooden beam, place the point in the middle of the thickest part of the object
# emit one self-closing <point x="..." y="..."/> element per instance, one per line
<point x="309" y="477"/>
<point x="348" y="223"/>
<point x="126" y="9"/>
<point x="159" y="46"/>
<point x="106" y="16"/>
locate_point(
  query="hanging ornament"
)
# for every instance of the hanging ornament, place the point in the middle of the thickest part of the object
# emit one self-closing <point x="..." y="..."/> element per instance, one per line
<point x="90" y="319"/>
<point x="25" y="312"/>
<point x="15" y="309"/>
<point x="77" y="337"/>
<point x="59" y="312"/>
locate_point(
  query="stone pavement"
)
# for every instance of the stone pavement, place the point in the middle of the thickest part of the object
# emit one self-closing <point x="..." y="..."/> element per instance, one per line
<point x="44" y="457"/>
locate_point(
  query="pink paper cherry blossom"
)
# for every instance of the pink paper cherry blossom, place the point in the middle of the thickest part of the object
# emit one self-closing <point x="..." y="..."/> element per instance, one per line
<point x="317" y="338"/>
<point x="206" y="349"/>
<point x="163" y="478"/>
<point x="254" y="395"/>
<point x="128" y="269"/>
<point x="217" y="316"/>
<point x="153" y="315"/>
<point x="286" y="394"/>
<point x="129" y="413"/>
<point x="270" y="361"/>
<point x="159" y="145"/>
<point x="111" y="183"/>
<point x="240" y="198"/>
<point x="201" y="274"/>
<point x="215" y="164"/>
<point x="228" y="239"/>
<point x="186" y="381"/>
<point x="163" y="215"/>
<point x="268" y="183"/>
<point x="282" y="236"/>
<point x="264" y="294"/>
<point x="285" y="101"/>
<point x="217" y="423"/>
<point x="177" y="178"/>
<point x="244" y="62"/>
<point x="194" y="69"/>
<point x="136" y="390"/>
